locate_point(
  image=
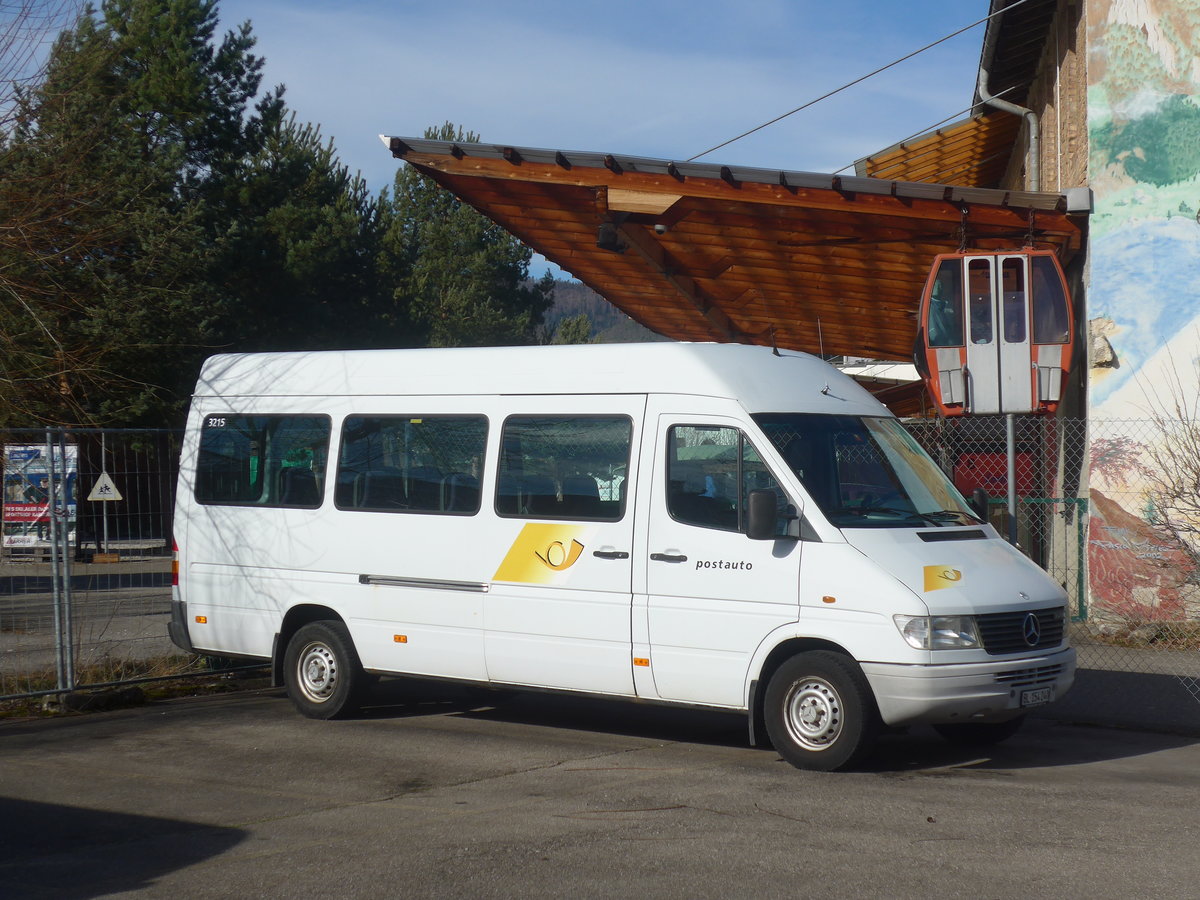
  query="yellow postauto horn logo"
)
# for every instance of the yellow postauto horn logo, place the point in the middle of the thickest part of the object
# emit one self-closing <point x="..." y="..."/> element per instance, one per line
<point x="543" y="553"/>
<point x="558" y="557"/>
<point x="938" y="577"/>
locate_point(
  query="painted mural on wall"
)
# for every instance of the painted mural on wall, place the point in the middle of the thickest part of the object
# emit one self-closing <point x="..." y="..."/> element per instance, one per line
<point x="1144" y="304"/>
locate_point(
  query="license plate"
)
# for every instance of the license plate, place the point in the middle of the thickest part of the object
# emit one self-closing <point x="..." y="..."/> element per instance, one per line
<point x="1040" y="697"/>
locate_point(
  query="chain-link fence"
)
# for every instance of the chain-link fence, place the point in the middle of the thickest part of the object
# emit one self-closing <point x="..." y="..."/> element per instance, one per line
<point x="1051" y="521"/>
<point x="85" y="558"/>
<point x="1110" y="509"/>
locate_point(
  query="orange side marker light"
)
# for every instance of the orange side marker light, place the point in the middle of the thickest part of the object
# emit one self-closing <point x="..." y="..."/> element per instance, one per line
<point x="641" y="661"/>
<point x="400" y="638"/>
<point x="203" y="620"/>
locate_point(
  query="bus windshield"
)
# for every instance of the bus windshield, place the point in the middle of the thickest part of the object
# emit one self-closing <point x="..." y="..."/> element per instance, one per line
<point x="866" y="472"/>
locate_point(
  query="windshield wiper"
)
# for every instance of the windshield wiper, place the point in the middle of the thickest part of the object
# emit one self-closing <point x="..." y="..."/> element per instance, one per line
<point x="952" y="515"/>
<point x="891" y="510"/>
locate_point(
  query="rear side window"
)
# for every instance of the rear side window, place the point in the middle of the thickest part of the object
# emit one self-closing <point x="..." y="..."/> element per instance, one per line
<point x="263" y="460"/>
<point x="423" y="464"/>
<point x="564" y="467"/>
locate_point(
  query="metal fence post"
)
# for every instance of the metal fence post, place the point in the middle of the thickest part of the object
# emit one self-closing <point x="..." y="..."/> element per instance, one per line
<point x="1081" y="508"/>
<point x="60" y="667"/>
<point x="64" y="519"/>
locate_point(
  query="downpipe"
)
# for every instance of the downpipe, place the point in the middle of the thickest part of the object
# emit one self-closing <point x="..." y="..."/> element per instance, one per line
<point x="1033" y="166"/>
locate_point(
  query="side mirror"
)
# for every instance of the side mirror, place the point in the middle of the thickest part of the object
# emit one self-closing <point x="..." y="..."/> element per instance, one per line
<point x="761" y="515"/>
<point x="979" y="503"/>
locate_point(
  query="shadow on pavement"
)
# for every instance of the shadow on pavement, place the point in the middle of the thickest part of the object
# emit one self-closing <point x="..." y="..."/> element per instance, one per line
<point x="49" y="850"/>
<point x="1150" y="702"/>
<point x="1063" y="740"/>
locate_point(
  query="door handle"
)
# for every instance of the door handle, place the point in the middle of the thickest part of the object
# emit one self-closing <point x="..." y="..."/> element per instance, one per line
<point x="668" y="557"/>
<point x="610" y="554"/>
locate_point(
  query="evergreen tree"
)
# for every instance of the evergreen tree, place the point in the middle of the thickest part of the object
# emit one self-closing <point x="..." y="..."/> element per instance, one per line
<point x="139" y="116"/>
<point x="176" y="216"/>
<point x="154" y="209"/>
<point x="463" y="279"/>
<point x="299" y="243"/>
<point x="573" y="330"/>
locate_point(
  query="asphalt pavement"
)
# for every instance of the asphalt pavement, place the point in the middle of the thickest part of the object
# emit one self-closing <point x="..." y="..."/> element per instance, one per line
<point x="434" y="792"/>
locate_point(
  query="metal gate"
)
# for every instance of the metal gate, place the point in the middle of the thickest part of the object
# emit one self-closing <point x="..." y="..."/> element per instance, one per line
<point x="85" y="558"/>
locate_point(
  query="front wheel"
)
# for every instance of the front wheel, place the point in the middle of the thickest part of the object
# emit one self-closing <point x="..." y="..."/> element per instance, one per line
<point x="819" y="711"/>
<point x="321" y="670"/>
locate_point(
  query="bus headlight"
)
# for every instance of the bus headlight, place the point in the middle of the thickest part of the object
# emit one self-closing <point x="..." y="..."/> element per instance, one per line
<point x="939" y="632"/>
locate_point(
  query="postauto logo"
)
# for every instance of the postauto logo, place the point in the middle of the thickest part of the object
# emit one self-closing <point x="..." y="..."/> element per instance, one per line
<point x="938" y="577"/>
<point x="544" y="553"/>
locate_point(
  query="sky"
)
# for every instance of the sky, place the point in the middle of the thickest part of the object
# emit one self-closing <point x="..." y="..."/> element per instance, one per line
<point x="667" y="79"/>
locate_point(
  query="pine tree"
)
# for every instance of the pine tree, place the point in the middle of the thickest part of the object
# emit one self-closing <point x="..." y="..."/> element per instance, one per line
<point x="108" y="299"/>
<point x="463" y="279"/>
<point x="154" y="209"/>
<point x="301" y="250"/>
<point x="573" y="330"/>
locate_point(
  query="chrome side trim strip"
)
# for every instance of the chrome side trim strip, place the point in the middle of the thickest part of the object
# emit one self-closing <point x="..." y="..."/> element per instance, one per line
<point x="432" y="584"/>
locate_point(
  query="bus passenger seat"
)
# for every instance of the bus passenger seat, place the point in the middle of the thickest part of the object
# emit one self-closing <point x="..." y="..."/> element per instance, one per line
<point x="460" y="493"/>
<point x="539" y="496"/>
<point x="581" y="497"/>
<point x="382" y="489"/>
<point x="424" y="488"/>
<point x="298" y="487"/>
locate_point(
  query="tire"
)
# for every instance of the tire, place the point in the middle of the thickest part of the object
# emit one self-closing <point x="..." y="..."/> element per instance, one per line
<point x="819" y="711"/>
<point x="321" y="670"/>
<point x="979" y="734"/>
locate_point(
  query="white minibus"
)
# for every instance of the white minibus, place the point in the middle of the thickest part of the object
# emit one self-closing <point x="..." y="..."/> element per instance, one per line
<point x="711" y="525"/>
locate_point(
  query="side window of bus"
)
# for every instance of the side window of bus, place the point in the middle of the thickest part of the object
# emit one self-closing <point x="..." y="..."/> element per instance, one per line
<point x="263" y="460"/>
<point x="710" y="473"/>
<point x="564" y="467"/>
<point x="421" y="464"/>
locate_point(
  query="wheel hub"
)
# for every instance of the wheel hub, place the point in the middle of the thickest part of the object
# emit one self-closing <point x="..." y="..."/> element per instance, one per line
<point x="318" y="672"/>
<point x="814" y="714"/>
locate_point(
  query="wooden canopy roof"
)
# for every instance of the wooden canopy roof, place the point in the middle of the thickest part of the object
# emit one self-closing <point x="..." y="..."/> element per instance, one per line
<point x="707" y="252"/>
<point x="971" y="152"/>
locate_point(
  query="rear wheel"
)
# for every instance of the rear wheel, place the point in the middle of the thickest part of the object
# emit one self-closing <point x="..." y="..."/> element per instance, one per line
<point x="979" y="734"/>
<point x="819" y="711"/>
<point x="321" y="670"/>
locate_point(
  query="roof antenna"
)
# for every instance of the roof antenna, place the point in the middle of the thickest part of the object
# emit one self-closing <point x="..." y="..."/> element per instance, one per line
<point x="821" y="341"/>
<point x="774" y="346"/>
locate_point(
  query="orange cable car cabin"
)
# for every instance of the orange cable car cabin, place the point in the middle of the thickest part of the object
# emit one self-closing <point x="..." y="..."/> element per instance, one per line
<point x="995" y="332"/>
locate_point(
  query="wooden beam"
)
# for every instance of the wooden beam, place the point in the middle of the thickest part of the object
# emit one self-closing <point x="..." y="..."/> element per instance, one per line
<point x="654" y="255"/>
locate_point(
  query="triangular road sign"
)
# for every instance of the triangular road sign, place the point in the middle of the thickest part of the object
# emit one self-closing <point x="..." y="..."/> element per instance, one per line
<point x="104" y="489"/>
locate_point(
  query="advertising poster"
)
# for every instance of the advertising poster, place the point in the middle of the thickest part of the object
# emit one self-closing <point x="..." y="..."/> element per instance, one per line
<point x="26" y="510"/>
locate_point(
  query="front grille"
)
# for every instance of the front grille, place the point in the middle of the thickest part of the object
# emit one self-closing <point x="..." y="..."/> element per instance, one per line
<point x="1006" y="632"/>
<point x="1030" y="677"/>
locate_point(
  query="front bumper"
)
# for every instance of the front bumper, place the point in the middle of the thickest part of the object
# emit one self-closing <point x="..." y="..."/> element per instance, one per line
<point x="990" y="691"/>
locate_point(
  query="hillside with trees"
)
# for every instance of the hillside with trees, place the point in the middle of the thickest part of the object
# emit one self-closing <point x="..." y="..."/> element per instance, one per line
<point x="577" y="306"/>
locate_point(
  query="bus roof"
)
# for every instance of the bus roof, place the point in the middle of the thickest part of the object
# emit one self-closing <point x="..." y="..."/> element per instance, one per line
<point x="761" y="379"/>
